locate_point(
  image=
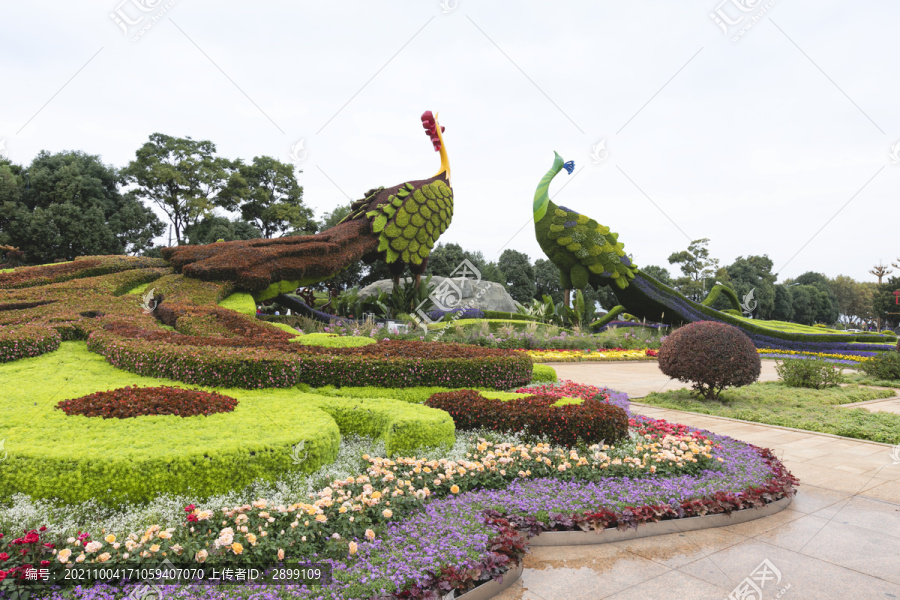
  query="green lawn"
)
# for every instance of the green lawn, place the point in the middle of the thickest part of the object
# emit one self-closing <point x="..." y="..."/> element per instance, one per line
<point x="774" y="403"/>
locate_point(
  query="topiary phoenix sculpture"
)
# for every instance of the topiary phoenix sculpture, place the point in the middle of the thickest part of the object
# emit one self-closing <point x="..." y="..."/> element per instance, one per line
<point x="398" y="225"/>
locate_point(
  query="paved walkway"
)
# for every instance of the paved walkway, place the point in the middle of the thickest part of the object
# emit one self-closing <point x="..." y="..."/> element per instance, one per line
<point x="637" y="378"/>
<point x="839" y="539"/>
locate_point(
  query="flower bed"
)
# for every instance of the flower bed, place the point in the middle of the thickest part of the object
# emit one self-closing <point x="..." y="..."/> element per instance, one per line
<point x="405" y="528"/>
<point x="591" y="421"/>
<point x="225" y="363"/>
<point x="848" y="357"/>
<point x="31" y="340"/>
<point x="591" y="355"/>
<point x="133" y="401"/>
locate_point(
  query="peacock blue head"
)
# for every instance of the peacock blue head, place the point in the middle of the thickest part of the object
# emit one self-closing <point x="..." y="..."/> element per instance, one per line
<point x="569" y="166"/>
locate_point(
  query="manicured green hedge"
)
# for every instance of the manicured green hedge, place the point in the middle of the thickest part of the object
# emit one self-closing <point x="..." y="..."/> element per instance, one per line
<point x="331" y="340"/>
<point x="75" y="458"/>
<point x="262" y="367"/>
<point x="30" y="340"/>
<point x="496" y="314"/>
<point x="240" y="302"/>
<point x="543" y="373"/>
<point x="403" y="426"/>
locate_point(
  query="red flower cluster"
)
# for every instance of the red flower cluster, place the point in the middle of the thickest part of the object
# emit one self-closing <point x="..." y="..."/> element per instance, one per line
<point x="133" y="401"/>
<point x="566" y="389"/>
<point x="590" y="422"/>
<point x="25" y="553"/>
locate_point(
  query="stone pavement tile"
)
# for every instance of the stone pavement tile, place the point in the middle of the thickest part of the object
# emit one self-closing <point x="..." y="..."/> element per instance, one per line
<point x="875" y="554"/>
<point x="805" y="577"/>
<point x="811" y="499"/>
<point x="676" y="549"/>
<point x="889" y="491"/>
<point x="758" y="526"/>
<point x="671" y="586"/>
<point x="584" y="572"/>
<point x="865" y="513"/>
<point x="808" y="453"/>
<point x="797" y="534"/>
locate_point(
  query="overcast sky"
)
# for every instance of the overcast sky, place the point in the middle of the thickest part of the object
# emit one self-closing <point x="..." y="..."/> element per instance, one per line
<point x="769" y="132"/>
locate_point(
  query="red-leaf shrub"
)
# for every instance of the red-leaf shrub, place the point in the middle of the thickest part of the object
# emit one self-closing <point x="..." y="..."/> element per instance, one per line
<point x="268" y="362"/>
<point x="127" y="402"/>
<point x="711" y="355"/>
<point x="590" y="422"/>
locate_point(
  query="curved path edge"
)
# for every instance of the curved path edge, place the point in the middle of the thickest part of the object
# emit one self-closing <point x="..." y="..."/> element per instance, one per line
<point x="605" y="536"/>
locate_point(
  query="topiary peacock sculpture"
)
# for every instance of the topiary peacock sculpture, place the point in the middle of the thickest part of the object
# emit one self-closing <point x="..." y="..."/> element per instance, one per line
<point x="398" y="225"/>
<point x="586" y="252"/>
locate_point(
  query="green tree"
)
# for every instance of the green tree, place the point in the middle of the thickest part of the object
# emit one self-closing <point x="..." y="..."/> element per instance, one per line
<point x="68" y="204"/>
<point x="183" y="177"/>
<point x="854" y="299"/>
<point x="213" y="229"/>
<point x="826" y="302"/>
<point x="269" y="197"/>
<point x="546" y="280"/>
<point x="884" y="305"/>
<point x="444" y="259"/>
<point x="754" y="273"/>
<point x="519" y="274"/>
<point x="661" y="274"/>
<point x="803" y="302"/>
<point x="699" y="271"/>
<point x="783" y="307"/>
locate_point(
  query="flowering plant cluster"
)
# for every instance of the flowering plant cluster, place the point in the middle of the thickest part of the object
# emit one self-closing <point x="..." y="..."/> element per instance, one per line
<point x="407" y="524"/>
<point x="31" y="340"/>
<point x="830" y="356"/>
<point x="601" y="354"/>
<point x="535" y="416"/>
<point x="136" y="401"/>
<point x="397" y="363"/>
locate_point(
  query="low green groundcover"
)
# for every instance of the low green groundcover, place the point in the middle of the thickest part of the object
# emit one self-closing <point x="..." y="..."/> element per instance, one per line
<point x="75" y="458"/>
<point x="774" y="403"/>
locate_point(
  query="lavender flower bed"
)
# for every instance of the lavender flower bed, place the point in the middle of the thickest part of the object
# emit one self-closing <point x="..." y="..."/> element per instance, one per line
<point x="451" y="532"/>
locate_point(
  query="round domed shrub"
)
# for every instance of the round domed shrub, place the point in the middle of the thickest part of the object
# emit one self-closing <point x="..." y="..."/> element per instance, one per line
<point x="710" y="355"/>
<point x="127" y="402"/>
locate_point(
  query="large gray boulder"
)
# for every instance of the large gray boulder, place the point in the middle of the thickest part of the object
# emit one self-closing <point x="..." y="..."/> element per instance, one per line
<point x="483" y="295"/>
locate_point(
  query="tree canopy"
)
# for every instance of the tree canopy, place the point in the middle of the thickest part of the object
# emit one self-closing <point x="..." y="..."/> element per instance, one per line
<point x="68" y="204"/>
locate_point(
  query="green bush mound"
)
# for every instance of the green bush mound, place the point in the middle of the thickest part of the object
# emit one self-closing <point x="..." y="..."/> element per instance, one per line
<point x="75" y="458"/>
<point x="536" y="416"/>
<point x="885" y="366"/>
<point x="710" y="355"/>
<point x="30" y="340"/>
<point x="809" y="373"/>
<point x="544" y="374"/>
<point x="240" y="302"/>
<point x="404" y="427"/>
<point x="331" y="340"/>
